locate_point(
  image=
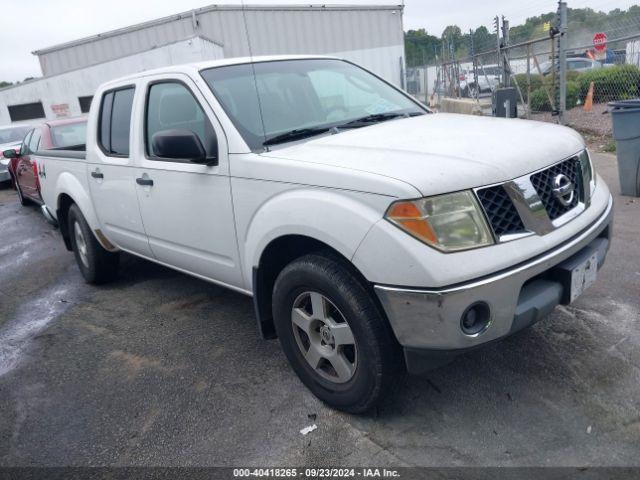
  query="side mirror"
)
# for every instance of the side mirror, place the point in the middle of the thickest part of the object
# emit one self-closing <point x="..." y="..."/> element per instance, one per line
<point x="11" y="153"/>
<point x="180" y="144"/>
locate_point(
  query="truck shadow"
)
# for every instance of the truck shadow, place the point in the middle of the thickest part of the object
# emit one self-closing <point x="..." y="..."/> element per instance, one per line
<point x="550" y="362"/>
<point x="558" y="373"/>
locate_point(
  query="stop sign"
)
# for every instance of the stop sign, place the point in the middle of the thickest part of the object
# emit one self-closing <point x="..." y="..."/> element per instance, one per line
<point x="600" y="41"/>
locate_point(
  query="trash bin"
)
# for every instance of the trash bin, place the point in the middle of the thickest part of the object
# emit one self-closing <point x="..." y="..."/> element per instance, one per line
<point x="625" y="116"/>
<point x="505" y="102"/>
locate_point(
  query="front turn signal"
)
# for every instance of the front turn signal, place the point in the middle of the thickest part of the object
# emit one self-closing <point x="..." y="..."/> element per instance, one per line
<point x="450" y="222"/>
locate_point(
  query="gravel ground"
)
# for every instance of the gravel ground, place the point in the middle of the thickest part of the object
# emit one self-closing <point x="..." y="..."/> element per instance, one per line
<point x="594" y="122"/>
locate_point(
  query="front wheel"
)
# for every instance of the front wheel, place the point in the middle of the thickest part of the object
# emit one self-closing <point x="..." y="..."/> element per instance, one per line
<point x="333" y="333"/>
<point x="96" y="264"/>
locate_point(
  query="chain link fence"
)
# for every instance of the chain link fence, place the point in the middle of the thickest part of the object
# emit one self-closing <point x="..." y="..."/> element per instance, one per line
<point x="560" y="75"/>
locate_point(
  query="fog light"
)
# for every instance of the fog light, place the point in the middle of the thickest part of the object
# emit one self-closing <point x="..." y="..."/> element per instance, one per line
<point x="475" y="319"/>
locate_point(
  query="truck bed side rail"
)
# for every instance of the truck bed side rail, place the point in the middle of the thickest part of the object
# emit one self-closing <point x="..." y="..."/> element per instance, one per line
<point x="66" y="154"/>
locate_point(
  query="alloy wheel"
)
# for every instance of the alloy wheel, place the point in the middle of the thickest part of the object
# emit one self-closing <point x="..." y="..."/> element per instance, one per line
<point x="81" y="244"/>
<point x="324" y="337"/>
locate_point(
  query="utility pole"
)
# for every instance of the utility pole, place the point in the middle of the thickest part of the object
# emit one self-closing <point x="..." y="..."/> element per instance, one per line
<point x="561" y="100"/>
<point x="424" y="66"/>
<point x="455" y="71"/>
<point x="474" y="65"/>
<point x="505" y="56"/>
<point x="496" y="29"/>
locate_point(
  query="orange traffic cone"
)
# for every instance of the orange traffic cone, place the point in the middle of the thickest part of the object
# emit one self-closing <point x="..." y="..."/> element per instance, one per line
<point x="588" y="103"/>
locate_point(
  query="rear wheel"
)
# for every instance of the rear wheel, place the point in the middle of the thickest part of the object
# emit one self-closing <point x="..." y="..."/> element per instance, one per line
<point x="333" y="333"/>
<point x="96" y="264"/>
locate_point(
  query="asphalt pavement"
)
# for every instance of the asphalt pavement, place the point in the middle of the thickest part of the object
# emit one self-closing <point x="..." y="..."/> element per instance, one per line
<point x="159" y="368"/>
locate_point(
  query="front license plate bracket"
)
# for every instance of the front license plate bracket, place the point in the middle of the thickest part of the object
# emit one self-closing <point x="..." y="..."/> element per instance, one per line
<point x="577" y="273"/>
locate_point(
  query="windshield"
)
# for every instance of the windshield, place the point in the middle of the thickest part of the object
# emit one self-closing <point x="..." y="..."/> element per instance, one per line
<point x="69" y="135"/>
<point x="13" y="135"/>
<point x="301" y="94"/>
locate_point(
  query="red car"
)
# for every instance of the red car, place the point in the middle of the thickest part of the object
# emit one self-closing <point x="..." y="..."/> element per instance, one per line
<point x="68" y="134"/>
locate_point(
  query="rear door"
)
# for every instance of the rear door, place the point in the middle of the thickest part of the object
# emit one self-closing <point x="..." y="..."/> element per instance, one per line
<point x="186" y="207"/>
<point x="111" y="173"/>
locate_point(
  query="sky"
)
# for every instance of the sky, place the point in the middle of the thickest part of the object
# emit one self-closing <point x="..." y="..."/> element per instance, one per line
<point x="43" y="23"/>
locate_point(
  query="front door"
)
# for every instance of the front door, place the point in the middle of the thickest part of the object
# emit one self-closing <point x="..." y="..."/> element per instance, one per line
<point x="186" y="207"/>
<point x="111" y="174"/>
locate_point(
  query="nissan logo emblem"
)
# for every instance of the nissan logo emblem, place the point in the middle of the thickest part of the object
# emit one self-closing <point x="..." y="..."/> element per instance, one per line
<point x="563" y="189"/>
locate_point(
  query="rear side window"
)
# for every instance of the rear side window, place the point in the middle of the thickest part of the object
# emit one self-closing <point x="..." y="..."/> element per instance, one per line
<point x="115" y="122"/>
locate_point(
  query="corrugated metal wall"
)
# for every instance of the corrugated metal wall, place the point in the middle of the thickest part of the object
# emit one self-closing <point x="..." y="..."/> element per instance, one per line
<point x="272" y="30"/>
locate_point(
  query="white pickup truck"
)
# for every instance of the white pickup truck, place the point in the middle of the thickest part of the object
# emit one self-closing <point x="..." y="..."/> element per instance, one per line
<point x="373" y="235"/>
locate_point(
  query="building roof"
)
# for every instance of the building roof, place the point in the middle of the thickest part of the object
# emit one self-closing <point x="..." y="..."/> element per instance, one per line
<point x="193" y="13"/>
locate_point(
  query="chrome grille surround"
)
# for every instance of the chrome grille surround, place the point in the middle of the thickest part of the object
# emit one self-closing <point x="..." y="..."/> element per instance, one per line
<point x="532" y="199"/>
<point x="543" y="183"/>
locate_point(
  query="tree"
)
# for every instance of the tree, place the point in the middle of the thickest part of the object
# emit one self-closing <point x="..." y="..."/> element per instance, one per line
<point x="582" y="24"/>
<point x="483" y="40"/>
<point x="420" y="47"/>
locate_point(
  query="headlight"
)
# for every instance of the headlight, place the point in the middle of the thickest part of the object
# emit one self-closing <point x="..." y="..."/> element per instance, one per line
<point x="588" y="174"/>
<point x="448" y="222"/>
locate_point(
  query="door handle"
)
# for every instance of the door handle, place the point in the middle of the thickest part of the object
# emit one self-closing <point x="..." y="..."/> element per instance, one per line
<point x="96" y="174"/>
<point x="144" y="181"/>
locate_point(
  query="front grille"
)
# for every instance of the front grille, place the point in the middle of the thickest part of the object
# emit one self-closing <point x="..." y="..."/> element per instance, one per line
<point x="501" y="212"/>
<point x="543" y="183"/>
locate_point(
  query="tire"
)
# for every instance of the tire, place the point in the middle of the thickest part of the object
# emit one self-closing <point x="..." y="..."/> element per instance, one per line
<point x="368" y="368"/>
<point x="96" y="264"/>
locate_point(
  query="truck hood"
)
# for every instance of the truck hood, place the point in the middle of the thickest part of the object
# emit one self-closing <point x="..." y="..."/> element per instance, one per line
<point x="440" y="153"/>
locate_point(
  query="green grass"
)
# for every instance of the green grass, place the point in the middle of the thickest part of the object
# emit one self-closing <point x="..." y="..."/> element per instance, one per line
<point x="610" y="146"/>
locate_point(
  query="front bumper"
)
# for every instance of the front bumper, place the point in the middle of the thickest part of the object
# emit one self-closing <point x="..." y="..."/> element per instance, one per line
<point x="427" y="322"/>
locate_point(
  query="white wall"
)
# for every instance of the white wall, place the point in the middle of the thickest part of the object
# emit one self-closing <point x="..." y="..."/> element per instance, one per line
<point x="64" y="89"/>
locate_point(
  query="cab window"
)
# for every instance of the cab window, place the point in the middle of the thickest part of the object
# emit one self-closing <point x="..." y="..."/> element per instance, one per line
<point x="114" y="125"/>
<point x="172" y="106"/>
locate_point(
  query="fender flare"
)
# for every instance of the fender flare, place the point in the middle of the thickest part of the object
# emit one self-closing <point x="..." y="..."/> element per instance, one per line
<point x="334" y="218"/>
<point x="67" y="184"/>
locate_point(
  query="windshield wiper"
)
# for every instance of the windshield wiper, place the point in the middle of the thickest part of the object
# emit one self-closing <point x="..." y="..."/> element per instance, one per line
<point x="375" y="118"/>
<point x="296" y="134"/>
<point x="300" y="133"/>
